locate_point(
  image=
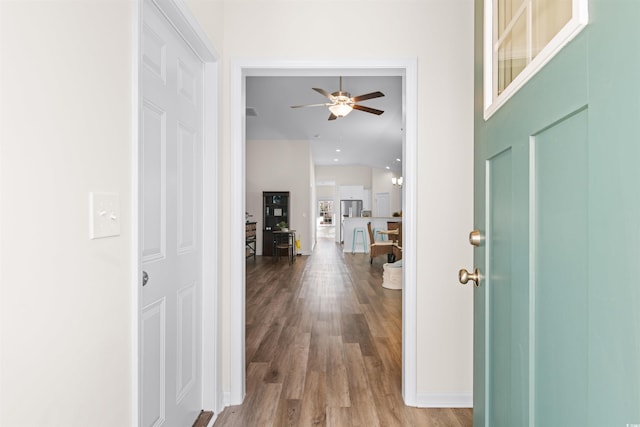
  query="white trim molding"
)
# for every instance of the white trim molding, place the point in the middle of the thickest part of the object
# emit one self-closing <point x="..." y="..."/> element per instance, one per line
<point x="445" y="400"/>
<point x="237" y="231"/>
<point x="211" y="289"/>
<point x="136" y="231"/>
<point x="240" y="69"/>
<point x="410" y="244"/>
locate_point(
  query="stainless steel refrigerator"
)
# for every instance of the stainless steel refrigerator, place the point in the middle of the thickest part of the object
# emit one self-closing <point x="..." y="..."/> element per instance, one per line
<point x="349" y="208"/>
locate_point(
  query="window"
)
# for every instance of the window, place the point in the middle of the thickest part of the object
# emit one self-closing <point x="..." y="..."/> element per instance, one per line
<point x="521" y="36"/>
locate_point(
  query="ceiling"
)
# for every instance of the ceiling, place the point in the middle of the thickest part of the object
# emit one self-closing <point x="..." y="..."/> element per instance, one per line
<point x="362" y="138"/>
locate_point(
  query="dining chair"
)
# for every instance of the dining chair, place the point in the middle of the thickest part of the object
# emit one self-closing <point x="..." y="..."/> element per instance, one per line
<point x="284" y="241"/>
<point x="378" y="247"/>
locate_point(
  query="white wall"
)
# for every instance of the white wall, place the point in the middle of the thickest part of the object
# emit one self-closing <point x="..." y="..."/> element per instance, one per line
<point x="439" y="33"/>
<point x="345" y="175"/>
<point x="445" y="198"/>
<point x="281" y="166"/>
<point x="325" y="192"/>
<point x="66" y="116"/>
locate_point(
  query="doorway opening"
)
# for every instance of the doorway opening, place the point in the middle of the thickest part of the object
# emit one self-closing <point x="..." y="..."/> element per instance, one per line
<point x="240" y="70"/>
<point x="325" y="222"/>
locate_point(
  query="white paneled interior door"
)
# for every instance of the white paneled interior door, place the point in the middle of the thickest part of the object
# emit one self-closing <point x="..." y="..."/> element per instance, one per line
<point x="383" y="207"/>
<point x="171" y="224"/>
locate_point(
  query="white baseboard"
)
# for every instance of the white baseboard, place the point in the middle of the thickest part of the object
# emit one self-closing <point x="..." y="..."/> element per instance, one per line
<point x="212" y="420"/>
<point x="444" y="400"/>
<point x="226" y="402"/>
<point x="226" y="399"/>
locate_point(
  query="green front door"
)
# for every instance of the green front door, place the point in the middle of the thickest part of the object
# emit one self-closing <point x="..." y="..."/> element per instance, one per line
<point x="557" y="198"/>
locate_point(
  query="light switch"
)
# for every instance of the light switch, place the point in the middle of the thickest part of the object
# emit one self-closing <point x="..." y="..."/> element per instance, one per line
<point x="104" y="215"/>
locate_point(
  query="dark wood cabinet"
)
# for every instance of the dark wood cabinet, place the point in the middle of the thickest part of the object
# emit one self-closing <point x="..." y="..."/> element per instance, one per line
<point x="275" y="208"/>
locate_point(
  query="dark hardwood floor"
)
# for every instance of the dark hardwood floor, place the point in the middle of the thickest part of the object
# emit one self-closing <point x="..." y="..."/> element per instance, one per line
<point x="323" y="346"/>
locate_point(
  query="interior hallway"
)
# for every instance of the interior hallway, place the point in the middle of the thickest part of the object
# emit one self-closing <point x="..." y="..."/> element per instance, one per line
<point x="323" y="346"/>
<point x="326" y="231"/>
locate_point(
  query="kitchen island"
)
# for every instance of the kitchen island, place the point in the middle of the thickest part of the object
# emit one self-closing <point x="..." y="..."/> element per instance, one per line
<point x="350" y="223"/>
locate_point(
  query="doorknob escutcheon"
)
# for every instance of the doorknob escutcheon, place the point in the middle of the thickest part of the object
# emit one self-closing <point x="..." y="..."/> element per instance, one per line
<point x="464" y="276"/>
<point x="145" y="278"/>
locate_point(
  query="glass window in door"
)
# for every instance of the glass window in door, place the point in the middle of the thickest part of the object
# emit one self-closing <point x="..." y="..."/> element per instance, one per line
<point x="520" y="37"/>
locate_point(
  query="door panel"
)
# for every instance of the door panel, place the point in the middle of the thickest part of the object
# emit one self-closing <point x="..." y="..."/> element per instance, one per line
<point x="171" y="224"/>
<point x="153" y="183"/>
<point x="154" y="372"/>
<point x="187" y="341"/>
<point x="614" y="177"/>
<point x="559" y="265"/>
<point x="557" y="194"/>
<point x="187" y="200"/>
<point x="506" y="316"/>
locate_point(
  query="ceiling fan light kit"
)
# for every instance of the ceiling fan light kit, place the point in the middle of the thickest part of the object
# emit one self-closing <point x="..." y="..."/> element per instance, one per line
<point x="342" y="103"/>
<point x="340" y="110"/>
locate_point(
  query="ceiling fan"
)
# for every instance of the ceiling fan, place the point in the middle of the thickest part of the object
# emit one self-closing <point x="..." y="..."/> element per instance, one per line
<point x="342" y="103"/>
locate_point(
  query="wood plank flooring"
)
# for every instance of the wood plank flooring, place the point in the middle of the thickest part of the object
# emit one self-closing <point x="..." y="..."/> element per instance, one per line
<point x="323" y="347"/>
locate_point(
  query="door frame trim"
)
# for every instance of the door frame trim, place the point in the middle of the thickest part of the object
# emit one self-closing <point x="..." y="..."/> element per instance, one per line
<point x="179" y="15"/>
<point x="240" y="69"/>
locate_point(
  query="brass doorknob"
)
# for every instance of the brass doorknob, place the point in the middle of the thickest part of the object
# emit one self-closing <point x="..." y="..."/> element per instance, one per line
<point x="476" y="238"/>
<point x="464" y="276"/>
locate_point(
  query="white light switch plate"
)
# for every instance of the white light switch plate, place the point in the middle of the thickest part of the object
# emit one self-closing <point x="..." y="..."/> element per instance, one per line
<point x="104" y="215"/>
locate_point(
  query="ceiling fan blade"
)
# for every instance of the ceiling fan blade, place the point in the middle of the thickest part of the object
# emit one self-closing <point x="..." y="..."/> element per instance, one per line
<point x="326" y="104"/>
<point x="367" y="109"/>
<point x="371" y="95"/>
<point x="322" y="92"/>
<point x="332" y="116"/>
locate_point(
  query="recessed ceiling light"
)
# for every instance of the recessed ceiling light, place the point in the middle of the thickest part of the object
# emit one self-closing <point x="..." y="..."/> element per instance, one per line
<point x="335" y="160"/>
<point x="337" y="150"/>
<point x="397" y="160"/>
<point x="387" y="167"/>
